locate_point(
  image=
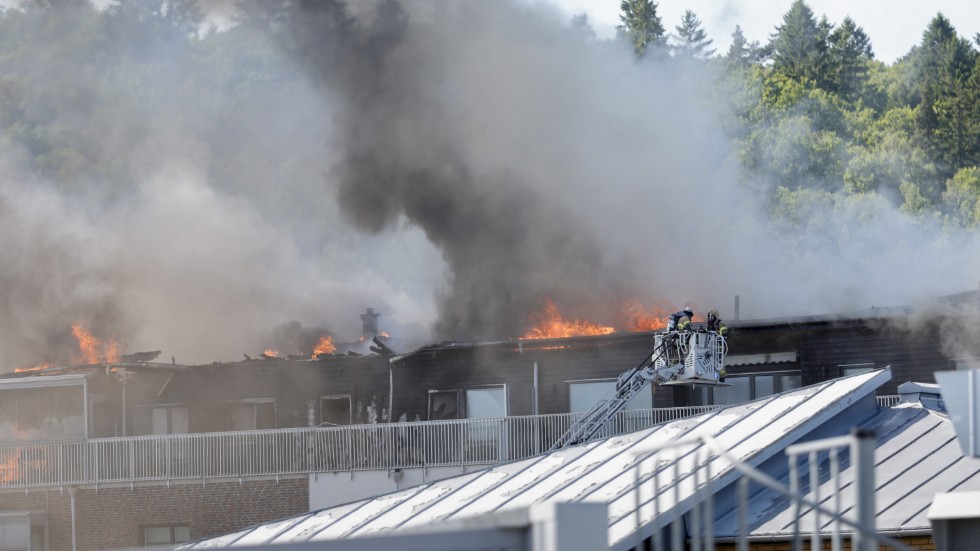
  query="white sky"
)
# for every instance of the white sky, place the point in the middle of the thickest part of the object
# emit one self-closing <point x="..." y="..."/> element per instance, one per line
<point x="894" y="26"/>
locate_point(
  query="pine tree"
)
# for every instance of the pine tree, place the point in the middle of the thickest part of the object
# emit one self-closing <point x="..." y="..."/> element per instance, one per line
<point x="692" y="40"/>
<point x="642" y="26"/>
<point x="850" y="53"/>
<point x="799" y="46"/>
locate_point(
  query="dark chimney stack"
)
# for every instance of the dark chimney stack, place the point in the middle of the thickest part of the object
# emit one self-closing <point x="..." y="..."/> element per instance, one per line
<point x="369" y="324"/>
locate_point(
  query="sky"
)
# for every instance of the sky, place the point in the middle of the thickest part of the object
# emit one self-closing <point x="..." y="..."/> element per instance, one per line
<point x="894" y="26"/>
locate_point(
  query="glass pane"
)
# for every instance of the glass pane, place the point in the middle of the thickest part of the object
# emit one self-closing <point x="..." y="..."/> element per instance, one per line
<point x="265" y="415"/>
<point x="855" y="369"/>
<point x="735" y="394"/>
<point x="764" y="385"/>
<point x="241" y="416"/>
<point x="156" y="535"/>
<point x="335" y="411"/>
<point x="15" y="535"/>
<point x="789" y="382"/>
<point x="178" y="421"/>
<point x="482" y="403"/>
<point x="443" y="405"/>
<point x="139" y="421"/>
<point x="182" y="534"/>
<point x="699" y="396"/>
<point x="582" y="396"/>
<point x="160" y="424"/>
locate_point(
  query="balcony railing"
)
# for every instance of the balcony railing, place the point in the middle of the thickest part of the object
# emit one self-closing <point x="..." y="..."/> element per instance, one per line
<point x="278" y="452"/>
<point x="282" y="452"/>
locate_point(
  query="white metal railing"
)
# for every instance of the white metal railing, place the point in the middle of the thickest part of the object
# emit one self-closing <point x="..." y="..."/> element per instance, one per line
<point x="889" y="400"/>
<point x="685" y="468"/>
<point x="277" y="452"/>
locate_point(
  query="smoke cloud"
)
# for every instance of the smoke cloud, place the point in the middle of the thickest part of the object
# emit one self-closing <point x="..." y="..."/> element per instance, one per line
<point x="451" y="165"/>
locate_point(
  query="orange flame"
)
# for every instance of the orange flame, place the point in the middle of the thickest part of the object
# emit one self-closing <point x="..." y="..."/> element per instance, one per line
<point x="271" y="353"/>
<point x="35" y="367"/>
<point x="94" y="350"/>
<point x="325" y="346"/>
<point x="10" y="465"/>
<point x="641" y="318"/>
<point x="548" y="324"/>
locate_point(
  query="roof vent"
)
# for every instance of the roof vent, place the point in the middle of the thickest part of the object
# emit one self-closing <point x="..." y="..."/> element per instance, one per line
<point x="926" y="394"/>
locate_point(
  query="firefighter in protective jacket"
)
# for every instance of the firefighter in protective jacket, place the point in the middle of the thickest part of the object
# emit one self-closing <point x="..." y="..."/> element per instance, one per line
<point x="715" y="323"/>
<point x="681" y="321"/>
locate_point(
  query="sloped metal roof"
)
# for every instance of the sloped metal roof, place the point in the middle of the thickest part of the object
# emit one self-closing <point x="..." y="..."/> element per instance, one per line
<point x="608" y="471"/>
<point x="916" y="457"/>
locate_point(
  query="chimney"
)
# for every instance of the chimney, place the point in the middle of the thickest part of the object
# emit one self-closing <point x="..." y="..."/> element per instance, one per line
<point x="369" y="324"/>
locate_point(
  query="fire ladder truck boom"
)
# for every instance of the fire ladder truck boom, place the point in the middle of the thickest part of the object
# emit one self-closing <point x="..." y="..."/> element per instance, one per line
<point x="679" y="358"/>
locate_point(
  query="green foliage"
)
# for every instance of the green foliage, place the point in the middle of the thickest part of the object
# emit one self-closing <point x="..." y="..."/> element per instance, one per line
<point x="962" y="195"/>
<point x="800" y="46"/>
<point x="642" y="26"/>
<point x="692" y="40"/>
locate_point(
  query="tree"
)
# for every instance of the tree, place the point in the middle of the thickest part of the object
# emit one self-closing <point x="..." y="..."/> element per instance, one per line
<point x="692" y="40"/>
<point x="742" y="53"/>
<point x="943" y="64"/>
<point x="850" y="54"/>
<point x="962" y="196"/>
<point x="799" y="46"/>
<point x="642" y="26"/>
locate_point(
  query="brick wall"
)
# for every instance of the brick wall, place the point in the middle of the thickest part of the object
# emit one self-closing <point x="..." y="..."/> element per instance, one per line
<point x="919" y="543"/>
<point x="114" y="518"/>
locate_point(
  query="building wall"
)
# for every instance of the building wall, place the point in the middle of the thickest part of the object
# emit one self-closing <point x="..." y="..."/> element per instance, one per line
<point x="913" y="356"/>
<point x="114" y="518"/>
<point x="919" y="543"/>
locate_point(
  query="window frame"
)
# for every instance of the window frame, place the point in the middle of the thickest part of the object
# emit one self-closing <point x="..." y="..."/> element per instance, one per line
<point x="255" y="402"/>
<point x="350" y="408"/>
<point x="173" y="534"/>
<point x="777" y="384"/>
<point x="612" y="380"/>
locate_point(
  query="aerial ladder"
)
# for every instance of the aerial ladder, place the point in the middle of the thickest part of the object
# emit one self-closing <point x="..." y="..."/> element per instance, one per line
<point x="686" y="358"/>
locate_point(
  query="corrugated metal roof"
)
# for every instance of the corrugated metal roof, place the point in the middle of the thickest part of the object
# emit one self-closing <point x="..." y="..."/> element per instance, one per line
<point x="606" y="471"/>
<point x="916" y="457"/>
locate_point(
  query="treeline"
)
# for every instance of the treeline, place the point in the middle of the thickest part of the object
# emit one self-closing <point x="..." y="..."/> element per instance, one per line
<point x="820" y="121"/>
<point x="817" y="119"/>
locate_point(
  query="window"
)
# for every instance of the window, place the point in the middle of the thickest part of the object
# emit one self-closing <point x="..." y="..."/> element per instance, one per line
<point x="483" y="403"/>
<point x="163" y="419"/>
<point x="854" y="369"/>
<point x="745" y="388"/>
<point x="335" y="410"/>
<point x="443" y="404"/>
<point x="252" y="414"/>
<point x="468" y="403"/>
<point x="42" y="413"/>
<point x="15" y="532"/>
<point x="165" y="535"/>
<point x="582" y="395"/>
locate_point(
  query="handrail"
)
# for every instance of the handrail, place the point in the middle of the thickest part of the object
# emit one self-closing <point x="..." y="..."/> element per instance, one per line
<point x="299" y="451"/>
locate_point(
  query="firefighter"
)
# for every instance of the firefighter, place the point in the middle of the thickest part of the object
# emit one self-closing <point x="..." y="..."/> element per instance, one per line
<point x="715" y="323"/>
<point x="681" y="321"/>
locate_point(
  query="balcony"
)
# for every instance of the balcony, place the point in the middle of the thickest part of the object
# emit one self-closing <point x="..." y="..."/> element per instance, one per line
<point x="302" y="451"/>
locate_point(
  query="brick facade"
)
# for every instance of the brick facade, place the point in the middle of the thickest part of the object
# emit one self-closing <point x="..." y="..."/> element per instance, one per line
<point x="114" y="518"/>
<point x="919" y="543"/>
